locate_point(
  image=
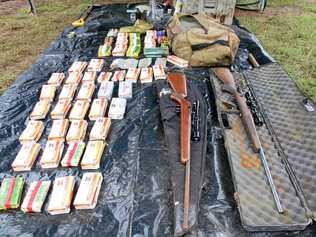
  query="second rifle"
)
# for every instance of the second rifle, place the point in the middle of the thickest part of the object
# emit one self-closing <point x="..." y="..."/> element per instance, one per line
<point x="229" y="83"/>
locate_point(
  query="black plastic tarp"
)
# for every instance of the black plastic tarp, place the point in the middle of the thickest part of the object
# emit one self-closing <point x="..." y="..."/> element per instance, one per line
<point x="136" y="195"/>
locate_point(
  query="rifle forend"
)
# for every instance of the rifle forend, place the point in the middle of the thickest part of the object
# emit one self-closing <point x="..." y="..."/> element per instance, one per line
<point x="185" y="107"/>
<point x="178" y="83"/>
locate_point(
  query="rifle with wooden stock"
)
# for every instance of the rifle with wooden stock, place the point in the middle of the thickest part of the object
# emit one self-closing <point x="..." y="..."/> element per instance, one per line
<point x="179" y="85"/>
<point x="229" y="85"/>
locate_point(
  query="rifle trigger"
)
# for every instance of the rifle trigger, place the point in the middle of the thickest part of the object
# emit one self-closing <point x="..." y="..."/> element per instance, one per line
<point x="225" y="120"/>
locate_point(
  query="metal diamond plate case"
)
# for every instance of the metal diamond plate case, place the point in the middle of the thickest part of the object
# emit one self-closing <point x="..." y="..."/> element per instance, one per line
<point x="293" y="125"/>
<point x="252" y="192"/>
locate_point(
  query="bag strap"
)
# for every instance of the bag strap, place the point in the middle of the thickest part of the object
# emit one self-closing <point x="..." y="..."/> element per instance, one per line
<point x="197" y="47"/>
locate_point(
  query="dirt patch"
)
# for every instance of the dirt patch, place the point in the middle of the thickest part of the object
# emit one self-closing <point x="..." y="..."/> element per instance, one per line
<point x="269" y="11"/>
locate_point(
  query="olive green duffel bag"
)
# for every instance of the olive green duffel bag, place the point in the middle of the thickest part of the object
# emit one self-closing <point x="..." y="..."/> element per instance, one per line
<point x="202" y="41"/>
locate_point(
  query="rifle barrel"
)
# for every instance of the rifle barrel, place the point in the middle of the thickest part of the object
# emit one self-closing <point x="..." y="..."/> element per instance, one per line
<point x="186" y="201"/>
<point x="270" y="181"/>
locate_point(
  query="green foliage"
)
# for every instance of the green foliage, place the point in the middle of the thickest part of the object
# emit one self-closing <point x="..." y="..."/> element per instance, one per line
<point x="290" y="38"/>
<point x="23" y="36"/>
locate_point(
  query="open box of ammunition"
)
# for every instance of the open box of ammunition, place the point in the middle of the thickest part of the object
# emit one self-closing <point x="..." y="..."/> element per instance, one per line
<point x="109" y="40"/>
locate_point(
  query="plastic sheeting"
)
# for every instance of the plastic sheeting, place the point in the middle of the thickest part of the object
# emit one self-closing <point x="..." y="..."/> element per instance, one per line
<point x="250" y="43"/>
<point x="136" y="195"/>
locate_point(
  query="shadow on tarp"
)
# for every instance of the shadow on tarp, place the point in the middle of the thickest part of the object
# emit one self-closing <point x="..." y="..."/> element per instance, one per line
<point x="136" y="196"/>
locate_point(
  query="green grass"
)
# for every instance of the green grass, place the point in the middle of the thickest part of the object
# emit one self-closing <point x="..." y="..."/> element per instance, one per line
<point x="288" y="33"/>
<point x="24" y="36"/>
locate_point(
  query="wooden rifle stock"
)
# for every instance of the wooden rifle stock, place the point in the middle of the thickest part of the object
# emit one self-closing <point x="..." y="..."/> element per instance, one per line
<point x="179" y="85"/>
<point x="185" y="111"/>
<point x="227" y="78"/>
<point x="253" y="60"/>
